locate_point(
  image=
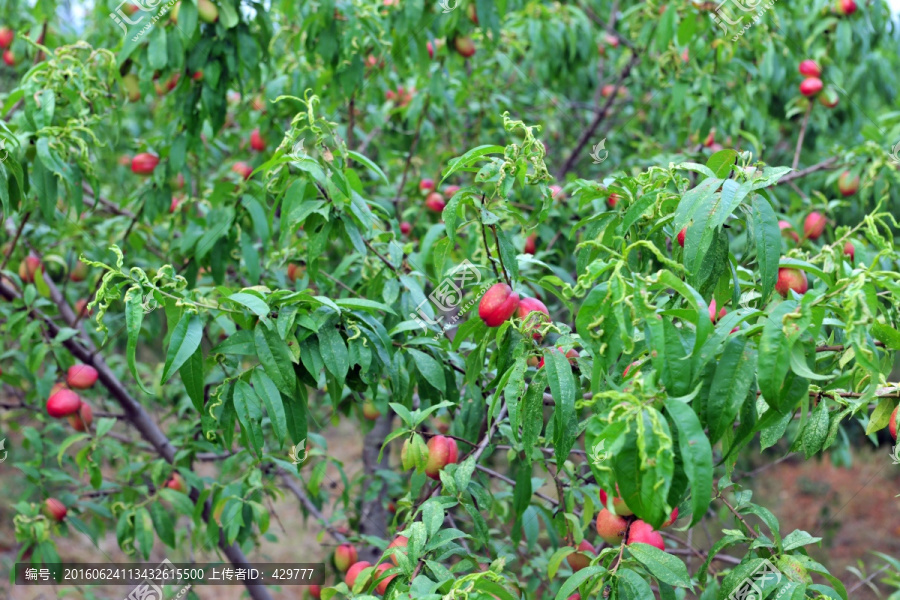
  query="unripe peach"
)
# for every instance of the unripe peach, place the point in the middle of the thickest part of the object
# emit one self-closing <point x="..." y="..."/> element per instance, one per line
<point x="472" y="12"/>
<point x="81" y="420"/>
<point x="79" y="271"/>
<point x="849" y="250"/>
<point x="442" y="451"/>
<point x="531" y="244"/>
<point x="610" y="527"/>
<point x="29" y="267"/>
<point x="829" y="97"/>
<point x="354" y="571"/>
<point x="498" y="304"/>
<point x="814" y="225"/>
<point x="370" y="411"/>
<point x="54" y="509"/>
<point x="680" y="237"/>
<point x="256" y="141"/>
<point x="791" y="279"/>
<point x="530" y="305"/>
<point x="892" y="425"/>
<point x="383" y="584"/>
<point x="81" y="377"/>
<point x="809" y="68"/>
<point x="618" y="503"/>
<point x="132" y="87"/>
<point x="401" y="541"/>
<point x="208" y="11"/>
<point x="581" y="559"/>
<point x="144" y="163"/>
<point x="787" y="228"/>
<point x="643" y="533"/>
<point x="63" y="403"/>
<point x="344" y="556"/>
<point x="810" y="86"/>
<point x="294" y="272"/>
<point x="848" y="184"/>
<point x="435" y="202"/>
<point x="465" y="46"/>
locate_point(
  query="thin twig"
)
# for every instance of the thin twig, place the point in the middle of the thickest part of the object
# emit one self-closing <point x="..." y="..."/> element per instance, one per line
<point x="412" y="151"/>
<point x="801" y="136"/>
<point x="825" y="164"/>
<point x="15" y="240"/>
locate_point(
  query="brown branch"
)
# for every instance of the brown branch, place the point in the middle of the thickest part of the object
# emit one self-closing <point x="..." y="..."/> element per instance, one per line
<point x="825" y="164"/>
<point x="801" y="136"/>
<point x="412" y="151"/>
<point x="739" y="516"/>
<point x="840" y="347"/>
<point x="598" y="118"/>
<point x="15" y="240"/>
<point x="308" y="504"/>
<point x="82" y="349"/>
<point x="378" y="254"/>
<point x="511" y="482"/>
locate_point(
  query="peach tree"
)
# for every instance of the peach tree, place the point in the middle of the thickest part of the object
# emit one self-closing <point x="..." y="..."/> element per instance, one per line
<point x="571" y="270"/>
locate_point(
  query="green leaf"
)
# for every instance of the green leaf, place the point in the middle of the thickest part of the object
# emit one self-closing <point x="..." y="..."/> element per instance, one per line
<point x="143" y="531"/>
<point x="184" y="342"/>
<point x="563" y="389"/>
<point x="364" y="304"/>
<point x="455" y="164"/>
<point x="887" y="335"/>
<point x="430" y="369"/>
<point x="334" y="351"/>
<point x="249" y="413"/>
<point x="767" y="235"/>
<point x="571" y="584"/>
<point x="694" y="201"/>
<point x="774" y="360"/>
<point x="662" y="565"/>
<point x="735" y="372"/>
<point x="162" y="521"/>
<point x="275" y="357"/>
<point x="508" y="253"/>
<point x="368" y="163"/>
<point x="267" y="390"/>
<point x="631" y="585"/>
<point x="192" y="377"/>
<point x="721" y="162"/>
<point x="157" y="49"/>
<point x="256" y="304"/>
<point x="134" y="316"/>
<point x="696" y="456"/>
<point x="240" y="343"/>
<point x="532" y="411"/>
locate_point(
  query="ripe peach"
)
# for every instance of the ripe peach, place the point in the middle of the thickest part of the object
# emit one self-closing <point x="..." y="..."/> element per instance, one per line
<point x="848" y="184"/>
<point x="814" y="225"/>
<point x="29" y="267"/>
<point x="401" y="541"/>
<point x="63" y="403"/>
<point x="176" y="482"/>
<point x="382" y="585"/>
<point x="849" y="250"/>
<point x="354" y="571"/>
<point x="530" y="305"/>
<point x="256" y="141"/>
<point x="442" y="451"/>
<point x="54" y="509"/>
<point x="810" y="86"/>
<point x="618" y="503"/>
<point x="344" y="556"/>
<point x="892" y="425"/>
<point x="144" y="163"/>
<point x="791" y="279"/>
<point x="435" y="202"/>
<point x="643" y="533"/>
<point x="531" y="244"/>
<point x="81" y="377"/>
<point x="680" y="237"/>
<point x="787" y="228"/>
<point x="610" y="527"/>
<point x="81" y="420"/>
<point x="581" y="559"/>
<point x="465" y="46"/>
<point x="498" y="304"/>
<point x="810" y="68"/>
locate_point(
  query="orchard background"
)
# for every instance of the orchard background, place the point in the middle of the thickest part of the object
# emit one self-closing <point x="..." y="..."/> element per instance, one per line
<point x="500" y="284"/>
